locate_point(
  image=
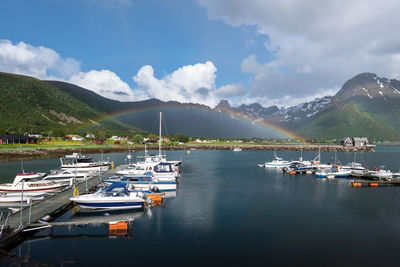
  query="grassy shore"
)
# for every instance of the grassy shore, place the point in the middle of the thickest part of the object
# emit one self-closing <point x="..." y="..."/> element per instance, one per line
<point x="57" y="149"/>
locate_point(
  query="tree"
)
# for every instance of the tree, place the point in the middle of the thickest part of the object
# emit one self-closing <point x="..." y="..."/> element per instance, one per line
<point x="138" y="139"/>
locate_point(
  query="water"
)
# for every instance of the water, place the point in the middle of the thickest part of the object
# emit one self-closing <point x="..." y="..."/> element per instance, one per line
<point x="228" y="211"/>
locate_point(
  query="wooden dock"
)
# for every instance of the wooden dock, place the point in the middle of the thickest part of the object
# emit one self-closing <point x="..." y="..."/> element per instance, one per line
<point x="50" y="205"/>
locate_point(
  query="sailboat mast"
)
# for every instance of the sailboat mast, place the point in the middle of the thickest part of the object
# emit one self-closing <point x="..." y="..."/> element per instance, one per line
<point x="159" y="141"/>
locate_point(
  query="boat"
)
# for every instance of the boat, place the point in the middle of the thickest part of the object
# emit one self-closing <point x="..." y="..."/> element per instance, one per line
<point x="65" y="176"/>
<point x="15" y="199"/>
<point x="81" y="163"/>
<point x="336" y="172"/>
<point x="116" y="197"/>
<point x="299" y="167"/>
<point x="145" y="183"/>
<point x="356" y="169"/>
<point x="276" y="163"/>
<point x="30" y="183"/>
<point x="237" y="149"/>
<point x="380" y="174"/>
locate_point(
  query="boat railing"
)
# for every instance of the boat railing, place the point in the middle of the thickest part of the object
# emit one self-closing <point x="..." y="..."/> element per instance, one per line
<point x="4" y="226"/>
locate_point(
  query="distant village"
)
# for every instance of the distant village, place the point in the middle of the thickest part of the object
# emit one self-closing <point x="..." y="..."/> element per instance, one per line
<point x="35" y="138"/>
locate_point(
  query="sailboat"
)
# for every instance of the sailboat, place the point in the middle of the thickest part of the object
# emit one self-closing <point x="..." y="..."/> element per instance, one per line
<point x="149" y="162"/>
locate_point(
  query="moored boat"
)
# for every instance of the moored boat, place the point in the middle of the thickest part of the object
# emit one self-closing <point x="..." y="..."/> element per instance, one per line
<point x="81" y="163"/>
<point x="115" y="197"/>
<point x="277" y="162"/>
<point x="31" y="184"/>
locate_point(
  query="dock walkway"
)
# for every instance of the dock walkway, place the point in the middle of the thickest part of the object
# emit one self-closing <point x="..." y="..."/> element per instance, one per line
<point x="50" y="204"/>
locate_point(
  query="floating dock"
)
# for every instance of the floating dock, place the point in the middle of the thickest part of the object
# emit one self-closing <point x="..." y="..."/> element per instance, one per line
<point x="13" y="225"/>
<point x="369" y="183"/>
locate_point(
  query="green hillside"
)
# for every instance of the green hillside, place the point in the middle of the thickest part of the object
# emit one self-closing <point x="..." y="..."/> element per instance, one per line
<point x="30" y="105"/>
<point x="347" y="119"/>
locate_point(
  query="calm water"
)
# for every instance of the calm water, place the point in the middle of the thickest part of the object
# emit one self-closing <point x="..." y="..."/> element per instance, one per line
<point x="228" y="211"/>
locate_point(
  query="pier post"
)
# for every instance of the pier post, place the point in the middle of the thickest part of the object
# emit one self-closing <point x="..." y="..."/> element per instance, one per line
<point x="22" y="205"/>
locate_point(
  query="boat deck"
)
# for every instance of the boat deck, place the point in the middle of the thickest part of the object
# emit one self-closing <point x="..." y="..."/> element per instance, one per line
<point x="49" y="205"/>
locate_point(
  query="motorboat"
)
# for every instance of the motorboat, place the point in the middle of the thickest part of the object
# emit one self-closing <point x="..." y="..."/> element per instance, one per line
<point x="336" y="172"/>
<point x="299" y="167"/>
<point x="16" y="198"/>
<point x="237" y="149"/>
<point x="134" y="169"/>
<point x="165" y="172"/>
<point x="277" y="162"/>
<point x="116" y="197"/>
<point x="145" y="183"/>
<point x="356" y="169"/>
<point x="380" y="174"/>
<point x="81" y="163"/>
<point x="30" y="183"/>
<point x="65" y="176"/>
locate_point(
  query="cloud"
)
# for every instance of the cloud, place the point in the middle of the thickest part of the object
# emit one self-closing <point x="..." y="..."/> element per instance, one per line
<point x="231" y="90"/>
<point x="107" y="84"/>
<point x="40" y="62"/>
<point x="316" y="46"/>
<point x="191" y="83"/>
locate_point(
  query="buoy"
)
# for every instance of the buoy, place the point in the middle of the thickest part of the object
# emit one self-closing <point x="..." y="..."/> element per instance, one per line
<point x="373" y="184"/>
<point x="292" y="172"/>
<point x="188" y="151"/>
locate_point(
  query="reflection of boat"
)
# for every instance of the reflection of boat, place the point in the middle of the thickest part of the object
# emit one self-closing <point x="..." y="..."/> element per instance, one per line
<point x="82" y="163"/>
<point x="31" y="184"/>
<point x="276" y="163"/>
<point x="115" y="196"/>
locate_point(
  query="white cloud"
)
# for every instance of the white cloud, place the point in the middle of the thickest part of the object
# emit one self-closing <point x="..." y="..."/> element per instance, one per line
<point x="45" y="63"/>
<point x="40" y="62"/>
<point x="317" y="45"/>
<point x="191" y="83"/>
<point x="107" y="84"/>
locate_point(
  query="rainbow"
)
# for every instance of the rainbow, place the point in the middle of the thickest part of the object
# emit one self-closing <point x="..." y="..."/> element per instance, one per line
<point x="232" y="113"/>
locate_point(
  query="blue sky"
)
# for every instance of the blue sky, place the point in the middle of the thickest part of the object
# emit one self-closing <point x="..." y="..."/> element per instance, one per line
<point x="258" y="51"/>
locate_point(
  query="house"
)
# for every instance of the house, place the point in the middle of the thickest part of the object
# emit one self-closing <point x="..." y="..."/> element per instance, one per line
<point x="347" y="141"/>
<point x="37" y="135"/>
<point x="90" y="136"/>
<point x="17" y="139"/>
<point x="360" y="141"/>
<point x="77" y="138"/>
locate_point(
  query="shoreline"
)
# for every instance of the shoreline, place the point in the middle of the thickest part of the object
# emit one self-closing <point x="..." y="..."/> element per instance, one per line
<point x="42" y="153"/>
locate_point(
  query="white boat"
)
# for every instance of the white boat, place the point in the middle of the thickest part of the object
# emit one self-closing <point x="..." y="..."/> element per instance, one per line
<point x="115" y="197"/>
<point x="381" y="174"/>
<point x="31" y="184"/>
<point x="237" y="149"/>
<point x="146" y="183"/>
<point x="356" y="169"/>
<point x="81" y="163"/>
<point x="65" y="176"/>
<point x="276" y="163"/>
<point x="16" y="198"/>
<point x="336" y="172"/>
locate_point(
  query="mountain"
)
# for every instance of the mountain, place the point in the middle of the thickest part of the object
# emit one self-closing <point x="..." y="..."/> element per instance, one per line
<point x="31" y="105"/>
<point x="366" y="105"/>
<point x="185" y="118"/>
